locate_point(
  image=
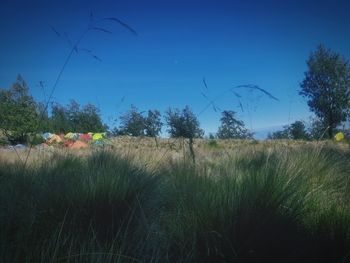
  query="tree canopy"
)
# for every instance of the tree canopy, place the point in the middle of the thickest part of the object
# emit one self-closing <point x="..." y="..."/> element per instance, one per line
<point x="75" y="118"/>
<point x="231" y="127"/>
<point x="18" y="112"/>
<point x="132" y="123"/>
<point x="183" y="123"/>
<point x="327" y="87"/>
<point x="295" y="131"/>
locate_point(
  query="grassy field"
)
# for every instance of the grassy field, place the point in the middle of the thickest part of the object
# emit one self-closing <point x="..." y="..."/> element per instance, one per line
<point x="243" y="201"/>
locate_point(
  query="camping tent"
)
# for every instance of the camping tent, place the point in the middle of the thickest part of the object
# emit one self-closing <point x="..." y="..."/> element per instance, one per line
<point x="46" y="136"/>
<point x="71" y="136"/>
<point x="55" y="139"/>
<point x="97" y="136"/>
<point x="85" y="137"/>
<point x="78" y="145"/>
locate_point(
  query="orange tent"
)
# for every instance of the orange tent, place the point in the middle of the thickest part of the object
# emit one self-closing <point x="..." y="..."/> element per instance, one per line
<point x="78" y="145"/>
<point x="55" y="139"/>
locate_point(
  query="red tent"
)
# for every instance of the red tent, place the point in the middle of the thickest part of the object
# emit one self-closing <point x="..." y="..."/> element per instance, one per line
<point x="85" y="137"/>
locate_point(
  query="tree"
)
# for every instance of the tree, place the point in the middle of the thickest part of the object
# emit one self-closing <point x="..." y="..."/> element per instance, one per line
<point x="327" y="87"/>
<point x="153" y="124"/>
<point x="44" y="119"/>
<point x="76" y="119"/>
<point x="231" y="127"/>
<point x="60" y="121"/>
<point x="90" y="119"/>
<point x="184" y="124"/>
<point x="317" y="129"/>
<point x="294" y="131"/>
<point x="132" y="123"/>
<point x="18" y="112"/>
<point x="297" y="131"/>
<point x="278" y="135"/>
<point x="73" y="111"/>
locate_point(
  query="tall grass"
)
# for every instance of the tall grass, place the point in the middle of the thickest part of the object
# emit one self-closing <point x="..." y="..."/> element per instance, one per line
<point x="258" y="204"/>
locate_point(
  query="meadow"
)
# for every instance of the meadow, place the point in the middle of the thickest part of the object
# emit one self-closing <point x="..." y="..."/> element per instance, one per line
<point x="242" y="201"/>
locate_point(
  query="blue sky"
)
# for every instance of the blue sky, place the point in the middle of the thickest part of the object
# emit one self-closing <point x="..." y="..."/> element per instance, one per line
<point x="179" y="42"/>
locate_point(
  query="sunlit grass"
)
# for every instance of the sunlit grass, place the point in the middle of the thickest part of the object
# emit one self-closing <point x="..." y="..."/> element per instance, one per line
<point x="250" y="202"/>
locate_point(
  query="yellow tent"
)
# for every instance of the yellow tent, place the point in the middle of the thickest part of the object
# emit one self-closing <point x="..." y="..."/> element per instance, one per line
<point x="339" y="136"/>
<point x="97" y="136"/>
<point x="55" y="139"/>
<point x="69" y="135"/>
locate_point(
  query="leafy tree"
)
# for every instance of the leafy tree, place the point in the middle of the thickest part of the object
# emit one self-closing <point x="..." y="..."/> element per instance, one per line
<point x="73" y="111"/>
<point x="44" y="119"/>
<point x="18" y="112"/>
<point x="326" y="86"/>
<point x="294" y="131"/>
<point x="278" y="135"/>
<point x="90" y="120"/>
<point x="231" y="127"/>
<point x="76" y="119"/>
<point x="60" y="121"/>
<point x="317" y="129"/>
<point x="132" y="123"/>
<point x="153" y="124"/>
<point x="184" y="124"/>
<point x="297" y="131"/>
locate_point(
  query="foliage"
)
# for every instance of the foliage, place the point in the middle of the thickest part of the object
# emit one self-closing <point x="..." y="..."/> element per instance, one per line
<point x="298" y="131"/>
<point x="294" y="131"/>
<point x="90" y="119"/>
<point x="75" y="118"/>
<point x="18" y="112"/>
<point x="279" y="135"/>
<point x="318" y="129"/>
<point x="183" y="123"/>
<point x="153" y="123"/>
<point x="60" y="121"/>
<point x="232" y="128"/>
<point x="327" y="87"/>
<point x="132" y="123"/>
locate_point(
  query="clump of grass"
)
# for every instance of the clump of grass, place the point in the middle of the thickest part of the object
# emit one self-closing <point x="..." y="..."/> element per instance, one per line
<point x="256" y="208"/>
<point x="257" y="203"/>
<point x="69" y="202"/>
<point x="212" y="144"/>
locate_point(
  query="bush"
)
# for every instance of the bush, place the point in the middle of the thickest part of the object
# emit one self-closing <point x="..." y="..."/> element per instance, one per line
<point x="68" y="203"/>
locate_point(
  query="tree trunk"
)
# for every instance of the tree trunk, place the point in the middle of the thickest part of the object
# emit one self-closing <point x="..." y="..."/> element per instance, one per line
<point x="192" y="150"/>
<point x="330" y="132"/>
<point x="330" y="127"/>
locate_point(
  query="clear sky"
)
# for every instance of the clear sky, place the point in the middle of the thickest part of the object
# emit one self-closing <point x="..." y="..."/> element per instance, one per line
<point x="179" y="42"/>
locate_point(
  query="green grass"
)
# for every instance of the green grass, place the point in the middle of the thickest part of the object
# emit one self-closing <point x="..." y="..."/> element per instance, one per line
<point x="261" y="204"/>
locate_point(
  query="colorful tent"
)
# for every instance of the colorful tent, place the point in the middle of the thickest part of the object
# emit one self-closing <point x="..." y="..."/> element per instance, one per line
<point x="46" y="135"/>
<point x="55" y="139"/>
<point x="85" y="137"/>
<point x="78" y="145"/>
<point x="98" y="136"/>
<point x="71" y="136"/>
<point x="68" y="143"/>
<point x="339" y="136"/>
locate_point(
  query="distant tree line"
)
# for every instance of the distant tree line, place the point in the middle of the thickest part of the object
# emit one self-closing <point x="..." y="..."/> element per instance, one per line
<point x="21" y="115"/>
<point x="326" y="87"/>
